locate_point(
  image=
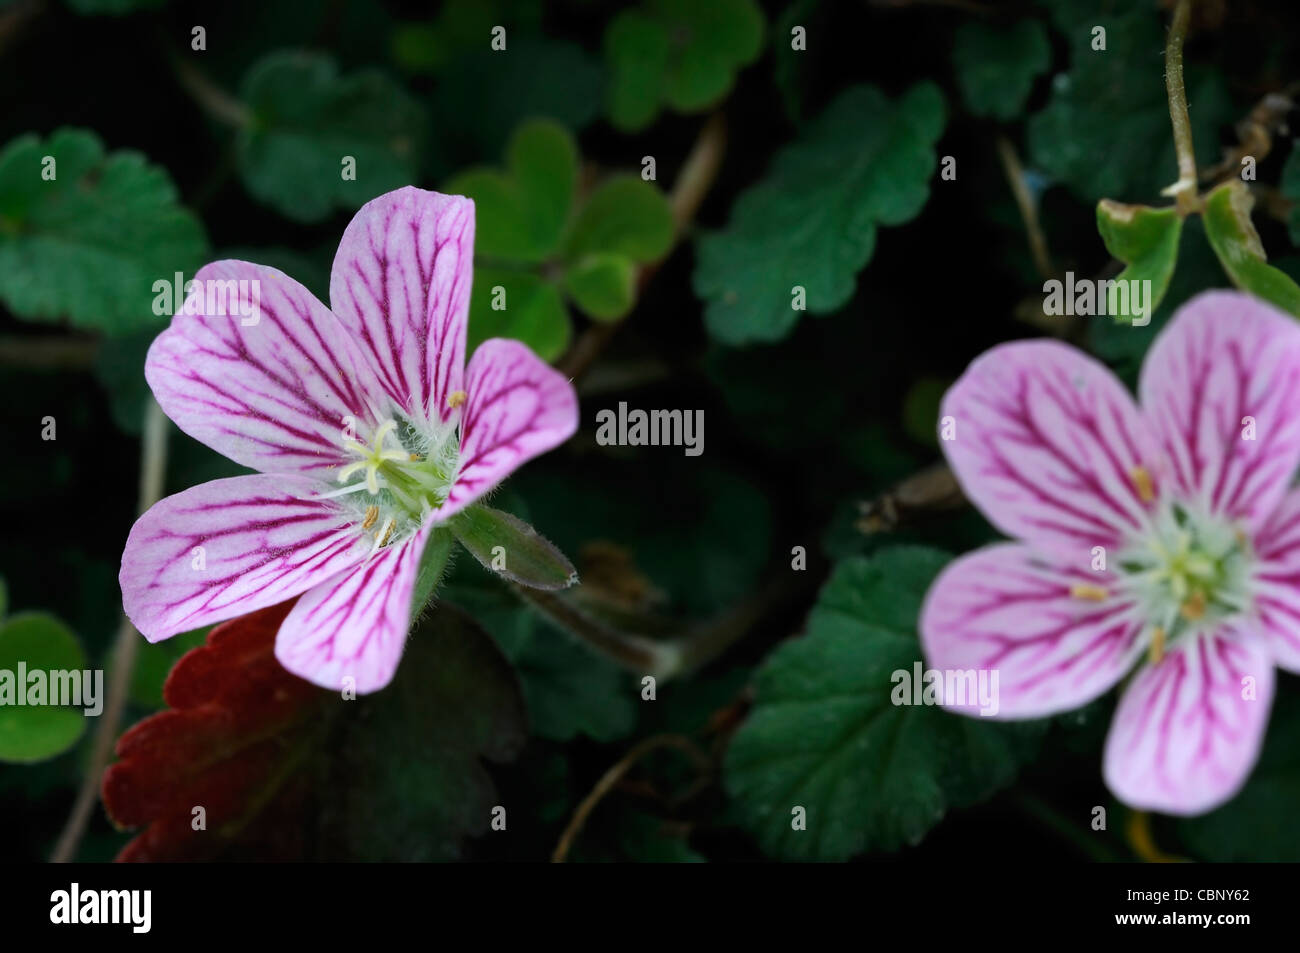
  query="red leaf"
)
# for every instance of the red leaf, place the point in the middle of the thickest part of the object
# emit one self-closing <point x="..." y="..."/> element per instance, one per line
<point x="231" y="743"/>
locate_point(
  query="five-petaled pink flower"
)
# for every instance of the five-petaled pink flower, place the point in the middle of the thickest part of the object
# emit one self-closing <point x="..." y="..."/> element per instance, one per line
<point x="1163" y="538"/>
<point x="367" y="430"/>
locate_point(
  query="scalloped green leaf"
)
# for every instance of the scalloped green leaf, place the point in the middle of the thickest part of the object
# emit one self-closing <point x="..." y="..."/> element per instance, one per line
<point x="624" y="215"/>
<point x="996" y="66"/>
<point x="677" y="53"/>
<point x="602" y="285"/>
<point x="533" y="311"/>
<point x="1146" y="240"/>
<point x="812" y="221"/>
<point x="825" y="735"/>
<point x="306" y="118"/>
<point x="30" y="733"/>
<point x="87" y="245"/>
<point x="1240" y="252"/>
<point x="521" y="212"/>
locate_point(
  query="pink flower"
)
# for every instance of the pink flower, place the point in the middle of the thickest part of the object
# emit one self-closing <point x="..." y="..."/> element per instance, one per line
<point x="1162" y="538"/>
<point x="365" y="427"/>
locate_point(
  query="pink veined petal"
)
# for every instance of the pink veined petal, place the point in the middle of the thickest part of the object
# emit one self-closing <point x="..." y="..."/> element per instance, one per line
<point x="517" y="407"/>
<point x="1223" y="358"/>
<point x="1276" y="581"/>
<point x="1188" y="730"/>
<point x="272" y="394"/>
<point x="1050" y="447"/>
<point x="1004" y="609"/>
<point x="354" y="625"/>
<point x="228" y="547"/>
<point x="400" y="283"/>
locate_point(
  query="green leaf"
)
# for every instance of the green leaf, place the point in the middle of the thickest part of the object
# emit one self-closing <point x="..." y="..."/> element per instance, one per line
<point x="1105" y="131"/>
<point x="31" y="733"/>
<point x="404" y="768"/>
<point x="677" y="53"/>
<point x="625" y="215"/>
<point x="812" y="221"/>
<point x="1236" y="243"/>
<point x="602" y="285"/>
<point x="1258" y="824"/>
<point x="511" y="548"/>
<point x="115" y="8"/>
<point x="996" y="66"/>
<point x="824" y="734"/>
<point x="306" y="119"/>
<point x="534" y="311"/>
<point x="153" y="662"/>
<point x="87" y="245"/>
<point x="1146" y="240"/>
<point x="520" y="214"/>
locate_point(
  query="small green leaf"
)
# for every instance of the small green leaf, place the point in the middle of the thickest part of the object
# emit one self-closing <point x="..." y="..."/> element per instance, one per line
<point x="677" y="52"/>
<point x="533" y="311"/>
<point x="520" y="214"/>
<point x="825" y="736"/>
<point x="1146" y="240"/>
<point x="511" y="548"/>
<point x="88" y="244"/>
<point x="307" y="119"/>
<point x="624" y="215"/>
<point x="602" y="285"/>
<point x="1236" y="243"/>
<point x="996" y="66"/>
<point x="811" y="223"/>
<point x="41" y="643"/>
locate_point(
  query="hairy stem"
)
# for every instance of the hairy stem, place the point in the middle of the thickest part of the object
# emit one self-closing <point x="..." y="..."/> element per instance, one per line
<point x="1184" y="190"/>
<point x="153" y="466"/>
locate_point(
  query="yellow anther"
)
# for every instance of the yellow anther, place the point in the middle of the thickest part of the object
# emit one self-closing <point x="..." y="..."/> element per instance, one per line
<point x="1156" y="651"/>
<point x="1086" y="590"/>
<point x="1193" y="610"/>
<point x="387" y="532"/>
<point x="1142" y="481"/>
<point x="372" y="514"/>
<point x="456" y="398"/>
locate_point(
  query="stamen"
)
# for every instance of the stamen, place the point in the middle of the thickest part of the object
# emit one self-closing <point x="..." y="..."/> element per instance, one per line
<point x="372" y="514"/>
<point x="382" y="536"/>
<point x="456" y="398"/>
<point x="1084" y="590"/>
<point x="1193" y="609"/>
<point x="1156" y="651"/>
<point x="1142" y="481"/>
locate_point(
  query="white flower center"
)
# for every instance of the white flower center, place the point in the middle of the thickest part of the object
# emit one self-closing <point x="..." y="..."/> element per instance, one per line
<point x="399" y="476"/>
<point x="1188" y="574"/>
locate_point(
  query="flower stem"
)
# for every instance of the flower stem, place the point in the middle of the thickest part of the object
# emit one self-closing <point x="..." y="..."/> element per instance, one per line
<point x="1184" y="190"/>
<point x="153" y="466"/>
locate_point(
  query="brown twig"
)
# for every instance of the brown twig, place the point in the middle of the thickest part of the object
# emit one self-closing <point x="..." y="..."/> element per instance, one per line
<point x="153" y="466"/>
<point x="615" y="774"/>
<point x="1184" y="190"/>
<point x="1028" y="210"/>
<point x="49" y="353"/>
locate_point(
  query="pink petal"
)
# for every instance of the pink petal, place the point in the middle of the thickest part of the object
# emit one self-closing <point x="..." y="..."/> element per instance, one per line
<point x="1004" y="609"/>
<point x="263" y="540"/>
<point x="400" y="283"/>
<point x="518" y="407"/>
<point x="1050" y="447"/>
<point x="1226" y="356"/>
<point x="1184" y="738"/>
<point x="1277" y="582"/>
<point x="271" y="395"/>
<point x="354" y="625"/>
